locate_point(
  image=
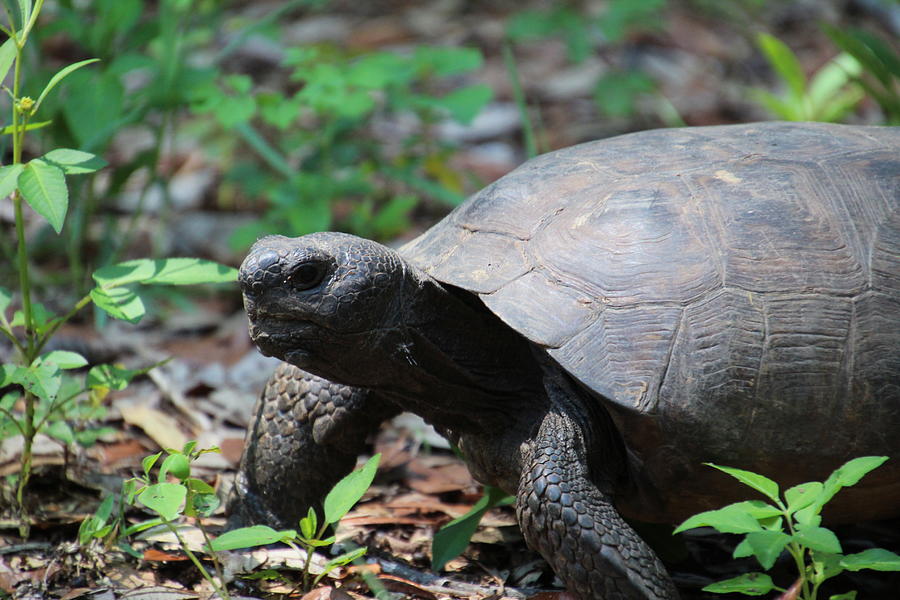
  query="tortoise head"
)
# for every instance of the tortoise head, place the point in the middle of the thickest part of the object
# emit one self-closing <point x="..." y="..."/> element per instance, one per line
<point x="323" y="301"/>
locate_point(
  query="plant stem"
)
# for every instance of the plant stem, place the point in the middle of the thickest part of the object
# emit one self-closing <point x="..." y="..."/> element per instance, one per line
<point x="219" y="589"/>
<point x="25" y="473"/>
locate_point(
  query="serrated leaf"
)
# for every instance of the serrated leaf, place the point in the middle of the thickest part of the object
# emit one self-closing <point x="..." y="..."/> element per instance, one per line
<point x="876" y="559"/>
<point x="801" y="496"/>
<point x="349" y="490"/>
<point x="119" y="303"/>
<point x="169" y="271"/>
<point x="9" y="178"/>
<point x="730" y="519"/>
<point x="852" y="471"/>
<point x="44" y="188"/>
<point x="247" y="537"/>
<point x="818" y="539"/>
<point x="758" y="482"/>
<point x="73" y="162"/>
<point x="65" y="359"/>
<point x="767" y="546"/>
<point x="165" y="499"/>
<point x="59" y="76"/>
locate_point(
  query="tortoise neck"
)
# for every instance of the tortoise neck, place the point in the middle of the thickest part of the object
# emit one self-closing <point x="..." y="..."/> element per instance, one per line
<point x="457" y="364"/>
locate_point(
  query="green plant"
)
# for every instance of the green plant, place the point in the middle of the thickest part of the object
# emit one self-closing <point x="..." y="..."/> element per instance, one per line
<point x="323" y="164"/>
<point x="451" y="540"/>
<point x="342" y="497"/>
<point x="170" y="500"/>
<point x="880" y="76"/>
<point x="828" y="96"/>
<point x="791" y="524"/>
<point x="44" y="391"/>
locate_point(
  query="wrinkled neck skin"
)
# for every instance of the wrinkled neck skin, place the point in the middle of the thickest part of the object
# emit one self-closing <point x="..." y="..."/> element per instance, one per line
<point x="446" y="357"/>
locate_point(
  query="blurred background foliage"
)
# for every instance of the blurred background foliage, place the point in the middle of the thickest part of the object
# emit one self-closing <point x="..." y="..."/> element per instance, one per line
<point x="227" y="120"/>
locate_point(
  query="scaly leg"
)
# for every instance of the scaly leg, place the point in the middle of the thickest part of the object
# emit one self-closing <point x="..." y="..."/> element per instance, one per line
<point x="574" y="525"/>
<point x="306" y="435"/>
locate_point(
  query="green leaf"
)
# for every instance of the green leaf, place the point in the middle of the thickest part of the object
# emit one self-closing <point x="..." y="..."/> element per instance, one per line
<point x="203" y="504"/>
<point x="733" y="518"/>
<point x="93" y="108"/>
<point x="111" y="377"/>
<point x="5" y="299"/>
<point x="801" y="496"/>
<point x="120" y="303"/>
<point x="61" y="431"/>
<point x="248" y="537"/>
<point x="41" y="379"/>
<point x="751" y="584"/>
<point x="167" y="271"/>
<point x="9" y="178"/>
<point x="165" y="499"/>
<point x="785" y="62"/>
<point x="852" y="471"/>
<point x="60" y="75"/>
<point x="451" y="540"/>
<point x="447" y="60"/>
<point x="65" y="359"/>
<point x="464" y="104"/>
<point x="44" y="188"/>
<point x="845" y="596"/>
<point x="758" y="482"/>
<point x="148" y="462"/>
<point x="7" y="56"/>
<point x="30" y="127"/>
<point x="199" y="486"/>
<point x="73" y="162"/>
<point x="876" y="559"/>
<point x="176" y="464"/>
<point x="309" y="524"/>
<point x="818" y="539"/>
<point x="349" y="490"/>
<point x="767" y="546"/>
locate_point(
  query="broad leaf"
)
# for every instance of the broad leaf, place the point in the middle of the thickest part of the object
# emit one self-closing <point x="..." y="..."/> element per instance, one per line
<point x="248" y="537"/>
<point x="818" y="539"/>
<point x="5" y="299"/>
<point x="169" y="271"/>
<point x="876" y="559"/>
<point x="41" y="379"/>
<point x="801" y="496"/>
<point x="110" y="377"/>
<point x="730" y="519"/>
<point x="767" y="546"/>
<point x="65" y="359"/>
<point x="454" y="537"/>
<point x="165" y="499"/>
<point x="176" y="464"/>
<point x="44" y="188"/>
<point x="751" y="584"/>
<point x="73" y="162"/>
<point x="9" y="178"/>
<point x="758" y="482"/>
<point x="349" y="490"/>
<point x="120" y="303"/>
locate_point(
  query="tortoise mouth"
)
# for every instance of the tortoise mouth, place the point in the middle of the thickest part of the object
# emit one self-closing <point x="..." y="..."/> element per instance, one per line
<point x="284" y="337"/>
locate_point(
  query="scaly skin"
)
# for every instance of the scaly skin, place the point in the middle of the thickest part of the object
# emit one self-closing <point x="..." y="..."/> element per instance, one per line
<point x="573" y="524"/>
<point x="306" y="435"/>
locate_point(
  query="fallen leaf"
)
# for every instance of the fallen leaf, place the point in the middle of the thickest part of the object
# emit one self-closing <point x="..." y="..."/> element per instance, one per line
<point x="405" y="587"/>
<point x="162" y="428"/>
<point x="154" y="555"/>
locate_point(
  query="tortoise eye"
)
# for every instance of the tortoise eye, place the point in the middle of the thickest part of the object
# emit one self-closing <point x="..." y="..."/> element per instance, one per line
<point x="307" y="276"/>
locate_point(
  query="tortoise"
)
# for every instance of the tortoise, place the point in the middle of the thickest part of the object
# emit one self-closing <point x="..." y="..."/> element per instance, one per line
<point x="592" y="327"/>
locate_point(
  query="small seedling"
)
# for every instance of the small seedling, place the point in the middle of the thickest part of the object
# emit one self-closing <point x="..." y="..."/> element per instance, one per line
<point x="342" y="497"/>
<point x="791" y="524"/>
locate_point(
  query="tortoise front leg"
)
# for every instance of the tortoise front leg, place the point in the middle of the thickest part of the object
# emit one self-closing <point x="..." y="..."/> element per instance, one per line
<point x="573" y="524"/>
<point x="306" y="435"/>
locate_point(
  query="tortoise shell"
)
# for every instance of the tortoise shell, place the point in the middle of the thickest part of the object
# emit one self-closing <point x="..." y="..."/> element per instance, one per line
<point x="731" y="293"/>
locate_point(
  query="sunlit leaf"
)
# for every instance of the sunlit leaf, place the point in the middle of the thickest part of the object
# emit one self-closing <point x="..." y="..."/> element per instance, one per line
<point x="44" y="188"/>
<point x="59" y="76"/>
<point x="349" y="490"/>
